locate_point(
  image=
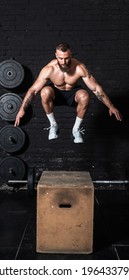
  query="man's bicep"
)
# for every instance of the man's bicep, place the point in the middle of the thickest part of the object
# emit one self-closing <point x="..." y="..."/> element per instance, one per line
<point x="43" y="77"/>
<point x="39" y="83"/>
<point x="90" y="82"/>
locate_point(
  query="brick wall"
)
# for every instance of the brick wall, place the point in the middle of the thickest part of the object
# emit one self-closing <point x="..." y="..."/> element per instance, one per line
<point x="97" y="31"/>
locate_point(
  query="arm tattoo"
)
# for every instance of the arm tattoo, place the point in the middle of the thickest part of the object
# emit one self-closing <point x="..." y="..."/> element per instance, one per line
<point x="28" y="101"/>
<point x="100" y="96"/>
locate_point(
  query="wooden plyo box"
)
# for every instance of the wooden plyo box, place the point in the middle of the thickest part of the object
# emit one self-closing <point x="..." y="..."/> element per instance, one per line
<point x="65" y="206"/>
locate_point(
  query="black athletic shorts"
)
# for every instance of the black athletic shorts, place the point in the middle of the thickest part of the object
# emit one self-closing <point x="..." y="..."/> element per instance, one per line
<point x="65" y="97"/>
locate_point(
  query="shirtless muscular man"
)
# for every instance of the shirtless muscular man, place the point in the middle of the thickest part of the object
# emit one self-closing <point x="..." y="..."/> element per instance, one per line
<point x="63" y="73"/>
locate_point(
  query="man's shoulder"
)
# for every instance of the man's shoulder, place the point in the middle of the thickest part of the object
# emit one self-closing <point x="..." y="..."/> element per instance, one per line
<point x="52" y="63"/>
<point x="80" y="66"/>
<point x="81" y="69"/>
<point x="48" y="68"/>
<point x="78" y="63"/>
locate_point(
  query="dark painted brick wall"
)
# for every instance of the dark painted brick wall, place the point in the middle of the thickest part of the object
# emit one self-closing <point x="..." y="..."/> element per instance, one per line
<point x="98" y="32"/>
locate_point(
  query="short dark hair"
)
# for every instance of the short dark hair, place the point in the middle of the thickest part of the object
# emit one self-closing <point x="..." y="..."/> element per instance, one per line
<point x="63" y="47"/>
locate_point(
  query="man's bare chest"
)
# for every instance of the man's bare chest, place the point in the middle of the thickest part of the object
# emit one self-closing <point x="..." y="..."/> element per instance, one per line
<point x="60" y="78"/>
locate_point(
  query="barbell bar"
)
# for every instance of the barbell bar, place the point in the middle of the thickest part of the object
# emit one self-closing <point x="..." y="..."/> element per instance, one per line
<point x="96" y="181"/>
<point x="111" y="181"/>
<point x="30" y="182"/>
<point x="22" y="182"/>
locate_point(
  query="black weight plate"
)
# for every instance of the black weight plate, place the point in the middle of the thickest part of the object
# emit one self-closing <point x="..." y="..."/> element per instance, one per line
<point x="12" y="168"/>
<point x="11" y="73"/>
<point x="12" y="138"/>
<point x="9" y="106"/>
<point x="30" y="181"/>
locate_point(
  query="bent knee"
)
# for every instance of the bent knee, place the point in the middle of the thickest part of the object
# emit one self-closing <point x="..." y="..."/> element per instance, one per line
<point x="82" y="95"/>
<point x="47" y="93"/>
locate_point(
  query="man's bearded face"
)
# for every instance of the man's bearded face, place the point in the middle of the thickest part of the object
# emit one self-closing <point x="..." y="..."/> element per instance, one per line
<point x="64" y="60"/>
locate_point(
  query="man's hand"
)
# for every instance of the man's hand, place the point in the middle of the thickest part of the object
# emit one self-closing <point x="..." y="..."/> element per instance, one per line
<point x="114" y="111"/>
<point x="19" y="115"/>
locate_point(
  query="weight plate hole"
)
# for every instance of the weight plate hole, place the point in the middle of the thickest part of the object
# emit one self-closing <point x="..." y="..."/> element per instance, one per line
<point x="9" y="73"/>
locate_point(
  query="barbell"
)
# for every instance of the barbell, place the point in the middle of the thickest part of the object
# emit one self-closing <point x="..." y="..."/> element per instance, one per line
<point x="30" y="182"/>
<point x="96" y="181"/>
<point x="13" y="171"/>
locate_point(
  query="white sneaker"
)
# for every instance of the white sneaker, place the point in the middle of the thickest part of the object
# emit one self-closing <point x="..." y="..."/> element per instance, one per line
<point x="53" y="132"/>
<point x="77" y="135"/>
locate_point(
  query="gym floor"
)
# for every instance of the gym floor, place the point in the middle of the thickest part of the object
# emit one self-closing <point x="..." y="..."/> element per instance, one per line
<point x="18" y="226"/>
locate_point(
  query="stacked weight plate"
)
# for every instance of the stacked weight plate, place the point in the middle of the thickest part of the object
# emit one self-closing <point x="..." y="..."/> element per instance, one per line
<point x="11" y="73"/>
<point x="9" y="106"/>
<point x="12" y="168"/>
<point x="12" y="139"/>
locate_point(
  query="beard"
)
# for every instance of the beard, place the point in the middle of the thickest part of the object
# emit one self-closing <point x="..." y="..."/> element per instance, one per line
<point x="64" y="68"/>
